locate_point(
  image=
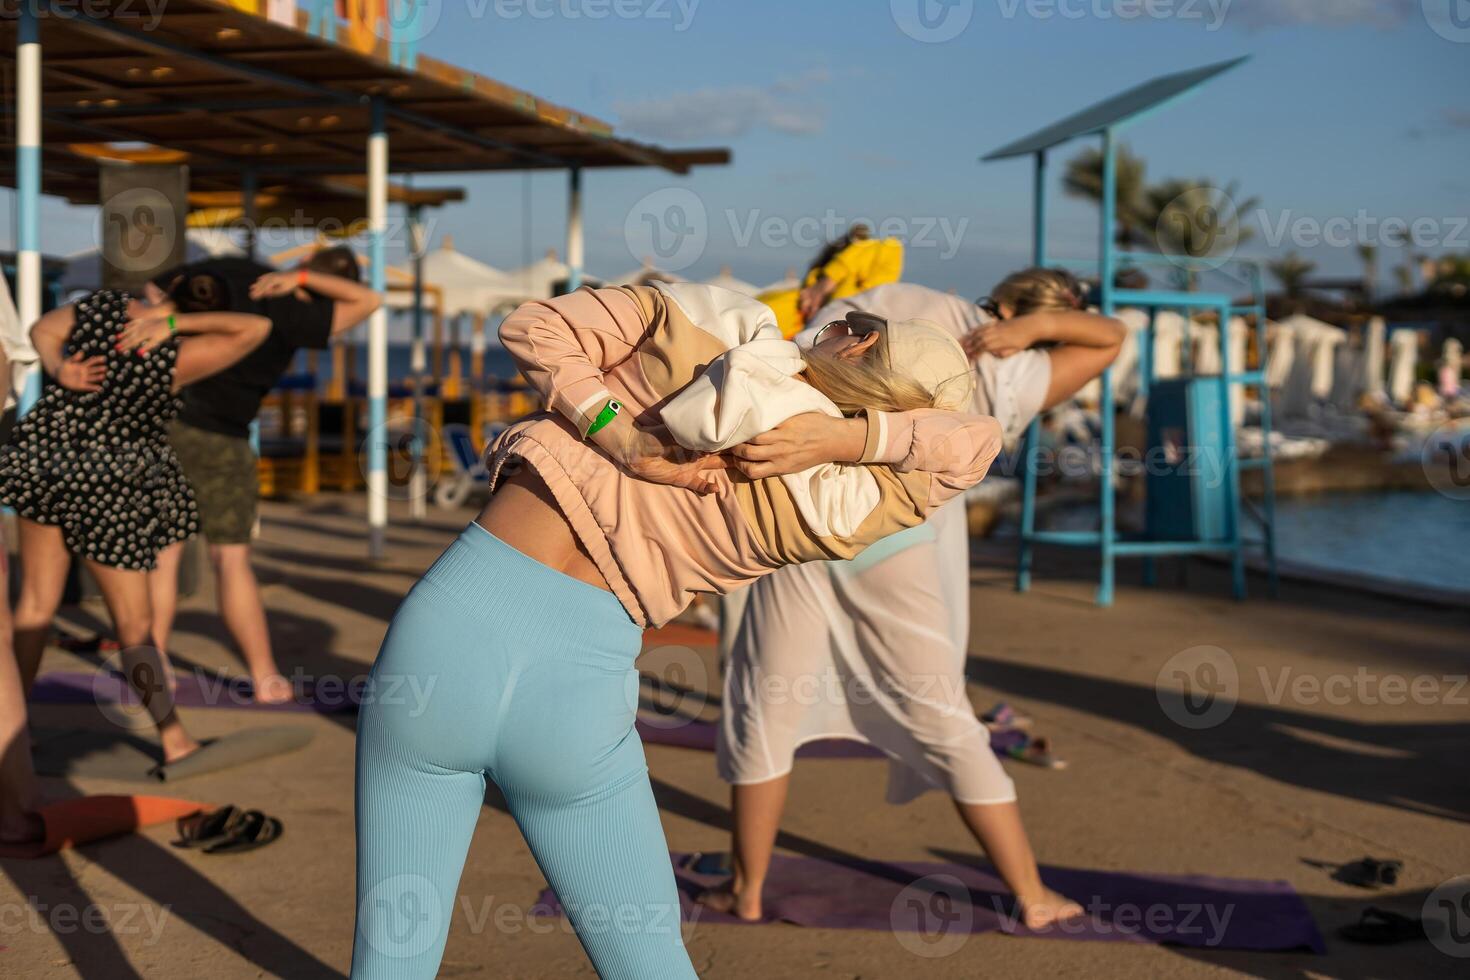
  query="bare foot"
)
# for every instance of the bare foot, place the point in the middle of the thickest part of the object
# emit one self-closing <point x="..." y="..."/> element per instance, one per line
<point x="176" y="745"/>
<point x="1046" y="908"/>
<point x="273" y="689"/>
<point x="726" y="899"/>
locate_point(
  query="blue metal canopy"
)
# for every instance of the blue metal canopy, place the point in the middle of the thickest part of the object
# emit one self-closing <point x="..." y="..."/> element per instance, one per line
<point x="1111" y="112"/>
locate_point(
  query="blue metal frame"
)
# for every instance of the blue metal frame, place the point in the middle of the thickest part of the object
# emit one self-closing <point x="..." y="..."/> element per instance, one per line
<point x="1109" y="546"/>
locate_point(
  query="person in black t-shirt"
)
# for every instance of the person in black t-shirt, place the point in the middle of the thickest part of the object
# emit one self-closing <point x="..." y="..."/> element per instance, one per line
<point x="307" y="306"/>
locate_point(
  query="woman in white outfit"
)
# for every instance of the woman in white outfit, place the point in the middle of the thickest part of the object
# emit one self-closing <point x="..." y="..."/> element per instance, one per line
<point x="874" y="649"/>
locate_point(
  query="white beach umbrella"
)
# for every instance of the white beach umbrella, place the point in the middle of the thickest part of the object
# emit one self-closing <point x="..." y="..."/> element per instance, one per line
<point x="791" y="281"/>
<point x="727" y="280"/>
<point x="538" y="279"/>
<point x="465" y="284"/>
<point x="84" y="269"/>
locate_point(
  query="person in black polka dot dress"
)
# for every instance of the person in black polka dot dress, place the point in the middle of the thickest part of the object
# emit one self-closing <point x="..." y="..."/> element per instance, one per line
<point x="96" y="464"/>
<point x="89" y="470"/>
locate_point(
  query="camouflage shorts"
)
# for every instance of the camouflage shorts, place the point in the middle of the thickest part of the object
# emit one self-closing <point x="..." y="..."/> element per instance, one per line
<point x="221" y="469"/>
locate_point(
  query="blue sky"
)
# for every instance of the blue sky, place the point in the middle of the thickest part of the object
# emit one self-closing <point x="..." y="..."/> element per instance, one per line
<point x="1349" y="109"/>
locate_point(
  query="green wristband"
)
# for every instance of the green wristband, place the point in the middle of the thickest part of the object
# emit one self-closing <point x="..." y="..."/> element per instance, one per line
<point x="173" y="327"/>
<point x="609" y="412"/>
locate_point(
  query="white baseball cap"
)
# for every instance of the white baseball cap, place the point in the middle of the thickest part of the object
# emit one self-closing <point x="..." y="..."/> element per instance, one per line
<point x="924" y="351"/>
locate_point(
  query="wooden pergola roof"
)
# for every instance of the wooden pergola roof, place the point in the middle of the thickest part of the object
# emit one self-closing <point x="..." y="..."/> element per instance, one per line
<point x="236" y="91"/>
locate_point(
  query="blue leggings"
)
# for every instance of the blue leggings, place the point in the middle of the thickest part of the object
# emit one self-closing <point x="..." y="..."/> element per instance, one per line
<point x="497" y="666"/>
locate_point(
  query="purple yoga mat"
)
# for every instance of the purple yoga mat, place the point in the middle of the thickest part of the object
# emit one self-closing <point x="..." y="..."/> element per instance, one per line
<point x="195" y="690"/>
<point x="696" y="734"/>
<point x="932" y="908"/>
<point x="201" y="690"/>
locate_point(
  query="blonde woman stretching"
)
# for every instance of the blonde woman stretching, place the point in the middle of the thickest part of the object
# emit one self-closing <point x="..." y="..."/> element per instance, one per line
<point x="611" y="512"/>
<point x="878" y="643"/>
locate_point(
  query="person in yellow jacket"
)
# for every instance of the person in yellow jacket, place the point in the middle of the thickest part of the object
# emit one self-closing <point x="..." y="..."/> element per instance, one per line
<point x="854" y="263"/>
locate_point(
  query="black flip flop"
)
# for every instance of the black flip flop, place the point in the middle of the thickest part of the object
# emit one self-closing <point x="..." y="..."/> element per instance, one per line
<point x="254" y="830"/>
<point x="207" y="826"/>
<point x="1379" y="927"/>
<point x="1369" y="872"/>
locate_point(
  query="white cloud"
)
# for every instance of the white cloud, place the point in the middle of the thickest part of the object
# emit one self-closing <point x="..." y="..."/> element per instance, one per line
<point x="728" y="112"/>
<point x="1260" y="14"/>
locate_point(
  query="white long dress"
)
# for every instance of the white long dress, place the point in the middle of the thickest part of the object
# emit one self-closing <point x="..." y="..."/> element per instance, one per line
<point x="874" y="649"/>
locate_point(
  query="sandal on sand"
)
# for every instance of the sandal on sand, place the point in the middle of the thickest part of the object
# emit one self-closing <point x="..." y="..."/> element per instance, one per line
<point x="1379" y="927"/>
<point x="1037" y="752"/>
<point x="254" y="830"/>
<point x="1003" y="717"/>
<point x="208" y="826"/>
<point x="1369" y="872"/>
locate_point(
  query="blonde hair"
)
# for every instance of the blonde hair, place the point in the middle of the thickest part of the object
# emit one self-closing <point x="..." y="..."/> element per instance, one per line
<point x="865" y="383"/>
<point x="1038" y="290"/>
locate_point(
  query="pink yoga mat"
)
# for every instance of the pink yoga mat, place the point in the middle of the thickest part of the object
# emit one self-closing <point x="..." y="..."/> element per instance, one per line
<point x="932" y="908"/>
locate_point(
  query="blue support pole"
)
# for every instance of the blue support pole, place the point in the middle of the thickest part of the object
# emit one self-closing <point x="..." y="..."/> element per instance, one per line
<point x="1268" y="466"/>
<point x="28" y="184"/>
<point x="1145" y="382"/>
<point x="1105" y="450"/>
<point x="1231" y="468"/>
<point x="1038" y="193"/>
<point x="1032" y="451"/>
<point x="377" y="208"/>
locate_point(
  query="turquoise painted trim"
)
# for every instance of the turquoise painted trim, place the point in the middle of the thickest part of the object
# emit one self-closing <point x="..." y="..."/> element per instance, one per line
<point x="28" y="198"/>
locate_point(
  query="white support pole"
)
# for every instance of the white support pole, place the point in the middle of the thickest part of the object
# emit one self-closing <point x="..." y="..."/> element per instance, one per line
<point x="377" y="435"/>
<point x="574" y="229"/>
<point x="28" y="183"/>
<point x="418" y="488"/>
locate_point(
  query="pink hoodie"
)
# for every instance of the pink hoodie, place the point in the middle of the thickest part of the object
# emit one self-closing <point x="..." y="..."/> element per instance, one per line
<point x="659" y="546"/>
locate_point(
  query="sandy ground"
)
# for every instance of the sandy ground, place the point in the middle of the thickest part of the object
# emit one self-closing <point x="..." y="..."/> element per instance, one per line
<point x="1295" y="773"/>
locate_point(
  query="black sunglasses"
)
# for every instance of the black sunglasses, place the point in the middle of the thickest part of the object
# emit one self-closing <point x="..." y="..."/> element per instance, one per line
<point x="857" y="324"/>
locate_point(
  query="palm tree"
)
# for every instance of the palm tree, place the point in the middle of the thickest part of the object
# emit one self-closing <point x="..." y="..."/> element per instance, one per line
<point x="1083" y="178"/>
<point x="1403" y="275"/>
<point x="1291" y="270"/>
<point x="1196" y="218"/>
<point x="1369" y="255"/>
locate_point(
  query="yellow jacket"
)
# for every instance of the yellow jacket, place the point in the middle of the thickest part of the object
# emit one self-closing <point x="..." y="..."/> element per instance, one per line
<point x="860" y="266"/>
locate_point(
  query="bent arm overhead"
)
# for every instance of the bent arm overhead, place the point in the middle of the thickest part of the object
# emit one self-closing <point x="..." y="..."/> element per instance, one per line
<point x="955" y="448"/>
<point x="212" y="342"/>
<point x="564" y="346"/>
<point x="1088" y="343"/>
<point x="352" y="302"/>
